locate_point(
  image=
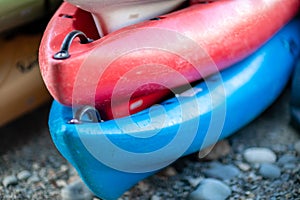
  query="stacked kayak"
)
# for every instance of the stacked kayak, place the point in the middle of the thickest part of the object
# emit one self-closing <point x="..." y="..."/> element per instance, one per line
<point x="136" y="66"/>
<point x="111" y="156"/>
<point x="107" y="15"/>
<point x="16" y="13"/>
<point x="132" y="97"/>
<point x="21" y="86"/>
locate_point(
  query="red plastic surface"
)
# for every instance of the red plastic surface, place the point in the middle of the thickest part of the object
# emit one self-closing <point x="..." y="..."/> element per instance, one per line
<point x="227" y="31"/>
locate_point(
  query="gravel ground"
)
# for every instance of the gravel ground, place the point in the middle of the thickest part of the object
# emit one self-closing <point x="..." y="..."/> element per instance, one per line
<point x="31" y="167"/>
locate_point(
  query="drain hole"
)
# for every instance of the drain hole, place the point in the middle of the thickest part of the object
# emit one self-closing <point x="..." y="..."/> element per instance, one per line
<point x="66" y="16"/>
<point x="155" y="19"/>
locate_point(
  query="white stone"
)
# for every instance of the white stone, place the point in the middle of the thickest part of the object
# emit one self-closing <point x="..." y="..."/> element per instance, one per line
<point x="9" y="180"/>
<point x="259" y="155"/>
<point x="24" y="175"/>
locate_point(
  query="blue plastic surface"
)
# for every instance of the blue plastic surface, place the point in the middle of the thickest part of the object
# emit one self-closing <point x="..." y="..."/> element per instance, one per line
<point x="113" y="156"/>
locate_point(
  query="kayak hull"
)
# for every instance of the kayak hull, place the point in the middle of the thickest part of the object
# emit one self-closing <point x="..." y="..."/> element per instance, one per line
<point x="21" y="86"/>
<point x="107" y="15"/>
<point x="124" y="68"/>
<point x="16" y="13"/>
<point x="114" y="155"/>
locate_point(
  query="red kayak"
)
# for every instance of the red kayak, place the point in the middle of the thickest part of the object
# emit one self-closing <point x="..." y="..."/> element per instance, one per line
<point x="139" y="65"/>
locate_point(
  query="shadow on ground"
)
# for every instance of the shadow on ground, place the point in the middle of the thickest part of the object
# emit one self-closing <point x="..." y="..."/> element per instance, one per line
<point x="22" y="130"/>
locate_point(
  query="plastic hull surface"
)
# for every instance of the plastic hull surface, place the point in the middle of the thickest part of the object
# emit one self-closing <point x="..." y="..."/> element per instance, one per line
<point x="16" y="13"/>
<point x="155" y="137"/>
<point x="21" y="86"/>
<point x="135" y="67"/>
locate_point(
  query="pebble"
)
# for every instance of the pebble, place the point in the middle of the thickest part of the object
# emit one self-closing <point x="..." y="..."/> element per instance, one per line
<point x="223" y="172"/>
<point x="33" y="179"/>
<point x="169" y="171"/>
<point x="219" y="150"/>
<point x="76" y="191"/>
<point x="243" y="166"/>
<point x="297" y="147"/>
<point x="259" y="155"/>
<point x="155" y="197"/>
<point x="23" y="175"/>
<point x="269" y="171"/>
<point x="61" y="183"/>
<point x="279" y="148"/>
<point x="252" y="177"/>
<point x="143" y="186"/>
<point x="9" y="180"/>
<point x="211" y="189"/>
<point x="35" y="166"/>
<point x="287" y="158"/>
<point x="289" y="166"/>
<point x="194" y="182"/>
<point x="64" y="168"/>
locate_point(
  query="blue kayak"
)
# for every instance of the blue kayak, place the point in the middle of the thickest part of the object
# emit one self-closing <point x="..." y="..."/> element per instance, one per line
<point x="114" y="155"/>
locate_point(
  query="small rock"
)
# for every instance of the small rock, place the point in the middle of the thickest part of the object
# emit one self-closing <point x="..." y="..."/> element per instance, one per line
<point x="169" y="171"/>
<point x="278" y="148"/>
<point x="250" y="195"/>
<point x="259" y="155"/>
<point x="211" y="189"/>
<point x="194" y="181"/>
<point x="76" y="191"/>
<point x="155" y="197"/>
<point x="287" y="158"/>
<point x="42" y="172"/>
<point x="269" y="171"/>
<point x="73" y="179"/>
<point x="297" y="146"/>
<point x="219" y="150"/>
<point x="33" y="179"/>
<point x="243" y="166"/>
<point x="51" y="174"/>
<point x="64" y="168"/>
<point x="61" y="183"/>
<point x="9" y="180"/>
<point x="289" y="166"/>
<point x="143" y="186"/>
<point x="23" y="175"/>
<point x="35" y="166"/>
<point x="223" y="172"/>
<point x="252" y="177"/>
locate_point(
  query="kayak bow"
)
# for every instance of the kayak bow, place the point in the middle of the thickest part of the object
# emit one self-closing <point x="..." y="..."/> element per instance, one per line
<point x="137" y="66"/>
<point x="114" y="155"/>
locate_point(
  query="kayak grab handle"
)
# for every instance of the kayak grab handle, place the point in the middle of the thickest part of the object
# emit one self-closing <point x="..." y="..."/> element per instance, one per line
<point x="64" y="49"/>
<point x="91" y="112"/>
